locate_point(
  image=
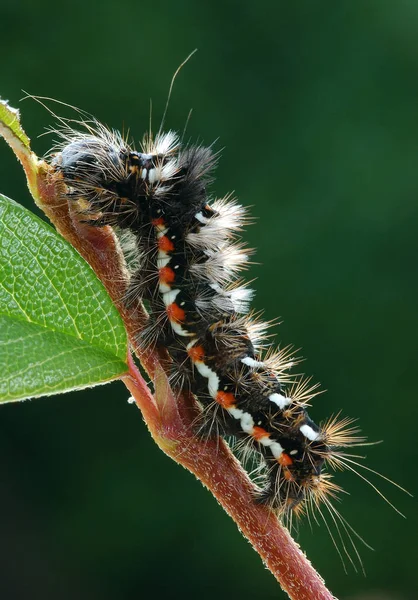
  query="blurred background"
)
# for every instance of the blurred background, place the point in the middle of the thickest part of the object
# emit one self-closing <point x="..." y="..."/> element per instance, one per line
<point x="315" y="105"/>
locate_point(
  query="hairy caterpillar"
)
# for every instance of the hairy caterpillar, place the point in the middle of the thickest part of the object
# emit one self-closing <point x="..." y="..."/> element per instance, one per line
<point x="189" y="257"/>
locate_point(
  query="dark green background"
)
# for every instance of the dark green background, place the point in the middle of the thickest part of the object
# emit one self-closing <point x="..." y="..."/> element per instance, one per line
<point x="316" y="107"/>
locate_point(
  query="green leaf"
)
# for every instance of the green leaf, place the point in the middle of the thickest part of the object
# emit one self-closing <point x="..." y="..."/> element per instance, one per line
<point x="59" y="330"/>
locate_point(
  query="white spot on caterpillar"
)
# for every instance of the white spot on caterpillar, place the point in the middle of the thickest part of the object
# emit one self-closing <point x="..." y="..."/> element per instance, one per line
<point x="211" y="376"/>
<point x="170" y="296"/>
<point x="163" y="259"/>
<point x="161" y="228"/>
<point x="164" y="288"/>
<point x="247" y="423"/>
<point x="144" y="173"/>
<point x="310" y="433"/>
<point x="251" y="362"/>
<point x="191" y="344"/>
<point x="280" y="400"/>
<point x="177" y="328"/>
<point x="201" y="218"/>
<point x="235" y="412"/>
<point x="152" y="176"/>
<point x="131" y="400"/>
<point x="276" y="449"/>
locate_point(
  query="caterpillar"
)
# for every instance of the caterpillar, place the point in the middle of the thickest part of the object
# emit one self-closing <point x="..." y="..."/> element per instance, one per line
<point x="188" y="258"/>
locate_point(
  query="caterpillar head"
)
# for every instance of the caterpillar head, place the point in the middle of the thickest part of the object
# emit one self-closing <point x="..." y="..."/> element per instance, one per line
<point x="296" y="474"/>
<point x="298" y="478"/>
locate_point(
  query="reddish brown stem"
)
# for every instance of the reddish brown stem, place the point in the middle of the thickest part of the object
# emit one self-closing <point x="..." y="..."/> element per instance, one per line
<point x="212" y="462"/>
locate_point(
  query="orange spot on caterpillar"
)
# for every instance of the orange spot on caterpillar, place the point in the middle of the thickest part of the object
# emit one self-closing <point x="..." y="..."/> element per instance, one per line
<point x="259" y="432"/>
<point x="166" y="275"/>
<point x="156" y="222"/>
<point x="165" y="244"/>
<point x="285" y="460"/>
<point x="175" y="313"/>
<point x="225" y="399"/>
<point x="197" y="353"/>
